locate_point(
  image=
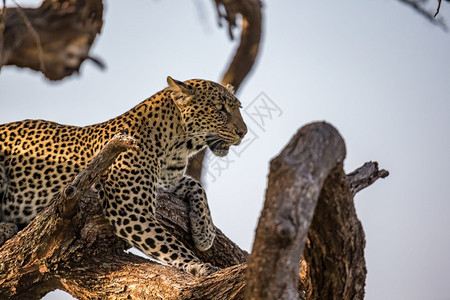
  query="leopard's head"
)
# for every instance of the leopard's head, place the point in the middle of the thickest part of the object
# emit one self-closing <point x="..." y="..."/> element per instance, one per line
<point x="210" y="113"/>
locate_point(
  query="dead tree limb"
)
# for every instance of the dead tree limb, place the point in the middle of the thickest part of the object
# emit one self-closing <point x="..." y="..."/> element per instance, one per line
<point x="365" y="176"/>
<point x="437" y="9"/>
<point x="309" y="211"/>
<point x="79" y="253"/>
<point x="296" y="178"/>
<point x="334" y="252"/>
<point x="245" y="55"/>
<point x="54" y="38"/>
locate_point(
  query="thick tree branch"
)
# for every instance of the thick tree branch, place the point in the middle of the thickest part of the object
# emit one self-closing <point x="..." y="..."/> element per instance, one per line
<point x="173" y="214"/>
<point x="295" y="181"/>
<point x="334" y="251"/>
<point x="54" y="38"/>
<point x="309" y="211"/>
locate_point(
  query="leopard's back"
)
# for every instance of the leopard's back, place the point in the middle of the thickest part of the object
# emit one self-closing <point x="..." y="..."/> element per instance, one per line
<point x="37" y="158"/>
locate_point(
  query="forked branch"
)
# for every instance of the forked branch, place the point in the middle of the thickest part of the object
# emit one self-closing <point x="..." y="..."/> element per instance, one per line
<point x="309" y="213"/>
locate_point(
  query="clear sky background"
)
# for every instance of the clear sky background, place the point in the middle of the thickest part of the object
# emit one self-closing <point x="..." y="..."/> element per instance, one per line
<point x="376" y="70"/>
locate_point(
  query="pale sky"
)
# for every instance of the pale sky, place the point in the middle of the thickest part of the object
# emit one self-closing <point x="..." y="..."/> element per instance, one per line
<point x="374" y="69"/>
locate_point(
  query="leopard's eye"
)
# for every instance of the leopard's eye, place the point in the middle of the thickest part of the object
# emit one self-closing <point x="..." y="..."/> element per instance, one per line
<point x="219" y="106"/>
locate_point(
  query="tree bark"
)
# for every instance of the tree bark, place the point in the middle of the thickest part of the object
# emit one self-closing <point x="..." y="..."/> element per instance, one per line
<point x="291" y="198"/>
<point x="54" y="38"/>
<point x="309" y="211"/>
<point x="71" y="246"/>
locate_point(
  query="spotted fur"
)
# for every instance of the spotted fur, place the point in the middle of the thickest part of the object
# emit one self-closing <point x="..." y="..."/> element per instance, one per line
<point x="38" y="158"/>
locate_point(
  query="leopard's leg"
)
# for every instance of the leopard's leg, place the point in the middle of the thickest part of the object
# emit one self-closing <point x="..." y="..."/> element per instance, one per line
<point x="7" y="230"/>
<point x="202" y="227"/>
<point x="4" y="187"/>
<point x="130" y="207"/>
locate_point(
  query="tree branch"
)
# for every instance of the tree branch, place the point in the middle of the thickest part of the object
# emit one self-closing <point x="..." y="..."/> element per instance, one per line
<point x="365" y="176"/>
<point x="54" y="38"/>
<point x="334" y="252"/>
<point x="309" y="211"/>
<point x="296" y="178"/>
<point x="245" y="55"/>
<point x="437" y="9"/>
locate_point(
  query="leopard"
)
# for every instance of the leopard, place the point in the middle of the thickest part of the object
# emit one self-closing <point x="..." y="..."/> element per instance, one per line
<point x="38" y="158"/>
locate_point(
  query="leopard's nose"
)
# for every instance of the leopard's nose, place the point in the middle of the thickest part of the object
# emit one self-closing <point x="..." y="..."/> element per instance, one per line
<point x="241" y="132"/>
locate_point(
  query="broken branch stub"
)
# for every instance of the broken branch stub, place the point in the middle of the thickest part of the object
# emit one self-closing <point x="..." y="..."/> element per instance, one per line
<point x="365" y="176"/>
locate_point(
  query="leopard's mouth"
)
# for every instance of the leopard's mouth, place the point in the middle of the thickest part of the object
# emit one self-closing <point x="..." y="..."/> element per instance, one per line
<point x="218" y="146"/>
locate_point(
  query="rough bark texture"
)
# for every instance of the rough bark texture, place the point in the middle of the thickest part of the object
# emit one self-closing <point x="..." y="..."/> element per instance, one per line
<point x="336" y="243"/>
<point x="71" y="246"/>
<point x="54" y="38"/>
<point x="295" y="182"/>
<point x="365" y="176"/>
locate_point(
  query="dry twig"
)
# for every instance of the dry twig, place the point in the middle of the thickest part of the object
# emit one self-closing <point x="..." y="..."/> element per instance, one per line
<point x="438" y="8"/>
<point x="425" y="13"/>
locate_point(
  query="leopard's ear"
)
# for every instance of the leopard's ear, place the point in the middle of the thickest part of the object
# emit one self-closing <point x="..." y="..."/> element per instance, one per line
<point x="179" y="87"/>
<point x="181" y="92"/>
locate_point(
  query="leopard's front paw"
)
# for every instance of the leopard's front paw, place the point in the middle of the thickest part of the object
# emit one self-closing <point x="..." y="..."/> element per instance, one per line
<point x="202" y="269"/>
<point x="202" y="230"/>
